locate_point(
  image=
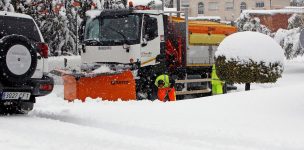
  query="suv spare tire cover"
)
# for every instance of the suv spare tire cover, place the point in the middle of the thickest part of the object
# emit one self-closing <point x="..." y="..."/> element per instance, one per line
<point x="18" y="59"/>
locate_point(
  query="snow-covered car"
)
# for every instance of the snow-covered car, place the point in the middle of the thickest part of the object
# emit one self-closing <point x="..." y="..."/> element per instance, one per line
<point x="23" y="63"/>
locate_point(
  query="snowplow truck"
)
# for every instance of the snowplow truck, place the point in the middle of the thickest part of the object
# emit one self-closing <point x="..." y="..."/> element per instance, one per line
<point x="149" y="43"/>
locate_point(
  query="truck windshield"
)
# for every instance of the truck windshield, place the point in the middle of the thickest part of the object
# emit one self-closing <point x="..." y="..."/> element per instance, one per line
<point x="114" y="30"/>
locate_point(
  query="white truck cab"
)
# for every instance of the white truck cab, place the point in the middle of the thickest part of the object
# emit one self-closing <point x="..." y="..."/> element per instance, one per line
<point x="123" y="37"/>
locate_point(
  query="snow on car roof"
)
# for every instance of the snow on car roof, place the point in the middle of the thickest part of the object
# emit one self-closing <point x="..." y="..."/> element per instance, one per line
<point x="12" y="14"/>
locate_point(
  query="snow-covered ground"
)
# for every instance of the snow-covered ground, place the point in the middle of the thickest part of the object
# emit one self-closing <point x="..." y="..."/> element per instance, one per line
<point x="270" y="117"/>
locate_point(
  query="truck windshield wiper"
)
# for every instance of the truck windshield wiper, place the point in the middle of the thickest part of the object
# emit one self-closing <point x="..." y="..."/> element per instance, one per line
<point x="120" y="33"/>
<point x="92" y="41"/>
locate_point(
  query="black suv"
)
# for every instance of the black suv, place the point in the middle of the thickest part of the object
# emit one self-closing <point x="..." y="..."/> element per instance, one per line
<point x="23" y="63"/>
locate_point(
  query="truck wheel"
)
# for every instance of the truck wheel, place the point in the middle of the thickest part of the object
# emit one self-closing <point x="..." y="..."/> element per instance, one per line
<point x="18" y="60"/>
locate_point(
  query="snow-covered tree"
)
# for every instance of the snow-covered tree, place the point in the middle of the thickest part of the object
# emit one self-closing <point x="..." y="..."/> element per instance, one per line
<point x="5" y="5"/>
<point x="115" y="4"/>
<point x="157" y="4"/>
<point x="53" y="28"/>
<point x="296" y="21"/>
<point x="289" y="39"/>
<point x="57" y="24"/>
<point x="168" y="3"/>
<point x="72" y="25"/>
<point x="248" y="23"/>
<point x="296" y="2"/>
<point x="151" y="3"/>
<point x="240" y="59"/>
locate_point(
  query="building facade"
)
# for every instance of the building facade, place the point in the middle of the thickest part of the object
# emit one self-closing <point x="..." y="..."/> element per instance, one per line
<point x="228" y="10"/>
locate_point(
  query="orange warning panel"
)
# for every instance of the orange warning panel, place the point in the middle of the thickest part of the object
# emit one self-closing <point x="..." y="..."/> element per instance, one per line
<point x="105" y="86"/>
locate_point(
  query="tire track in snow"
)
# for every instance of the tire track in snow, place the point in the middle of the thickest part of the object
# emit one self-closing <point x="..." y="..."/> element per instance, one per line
<point x="156" y="135"/>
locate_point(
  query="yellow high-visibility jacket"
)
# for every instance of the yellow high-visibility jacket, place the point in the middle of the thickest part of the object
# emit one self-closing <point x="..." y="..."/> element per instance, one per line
<point x="165" y="78"/>
<point x="217" y="84"/>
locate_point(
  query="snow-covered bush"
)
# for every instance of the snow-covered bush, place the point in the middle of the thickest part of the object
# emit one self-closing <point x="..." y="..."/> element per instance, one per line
<point x="249" y="57"/>
<point x="289" y="39"/>
<point x="248" y="23"/>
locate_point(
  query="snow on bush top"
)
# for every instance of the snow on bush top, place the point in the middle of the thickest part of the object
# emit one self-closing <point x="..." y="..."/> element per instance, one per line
<point x="243" y="46"/>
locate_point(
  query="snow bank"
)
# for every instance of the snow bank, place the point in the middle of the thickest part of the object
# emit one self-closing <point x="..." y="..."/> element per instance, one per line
<point x="103" y="69"/>
<point x="263" y="119"/>
<point x="243" y="46"/>
<point x="74" y="62"/>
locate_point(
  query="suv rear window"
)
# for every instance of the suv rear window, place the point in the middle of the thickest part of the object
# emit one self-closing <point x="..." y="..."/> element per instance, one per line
<point x="20" y="26"/>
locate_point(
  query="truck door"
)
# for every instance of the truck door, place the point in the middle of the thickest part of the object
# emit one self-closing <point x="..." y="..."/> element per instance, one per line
<point x="151" y="34"/>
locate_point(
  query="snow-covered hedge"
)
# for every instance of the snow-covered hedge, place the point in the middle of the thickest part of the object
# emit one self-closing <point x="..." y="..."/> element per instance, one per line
<point x="249" y="57"/>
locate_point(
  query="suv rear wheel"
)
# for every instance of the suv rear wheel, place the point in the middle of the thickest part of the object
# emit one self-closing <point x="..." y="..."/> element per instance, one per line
<point x="18" y="59"/>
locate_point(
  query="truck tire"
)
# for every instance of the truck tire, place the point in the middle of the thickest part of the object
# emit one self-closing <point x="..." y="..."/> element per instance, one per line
<point x="18" y="59"/>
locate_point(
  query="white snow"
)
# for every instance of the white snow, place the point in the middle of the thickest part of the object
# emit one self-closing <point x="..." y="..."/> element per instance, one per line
<point x="269" y="117"/>
<point x="103" y="69"/>
<point x="144" y="2"/>
<point x="288" y="36"/>
<point x="262" y="119"/>
<point x="243" y="46"/>
<point x="205" y="18"/>
<point x="93" y="13"/>
<point x="275" y="11"/>
<point x="58" y="62"/>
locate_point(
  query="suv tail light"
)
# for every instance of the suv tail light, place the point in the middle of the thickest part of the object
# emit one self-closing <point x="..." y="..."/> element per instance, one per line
<point x="43" y="50"/>
<point x="46" y="87"/>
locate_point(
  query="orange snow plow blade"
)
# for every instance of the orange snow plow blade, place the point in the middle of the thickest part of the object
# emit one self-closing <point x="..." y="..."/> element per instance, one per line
<point x="110" y="87"/>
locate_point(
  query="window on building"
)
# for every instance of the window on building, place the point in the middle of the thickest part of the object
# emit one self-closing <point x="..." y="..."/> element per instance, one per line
<point x="229" y="6"/>
<point x="259" y="4"/>
<point x="243" y="6"/>
<point x="185" y="3"/>
<point x="213" y="5"/>
<point x="201" y="8"/>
